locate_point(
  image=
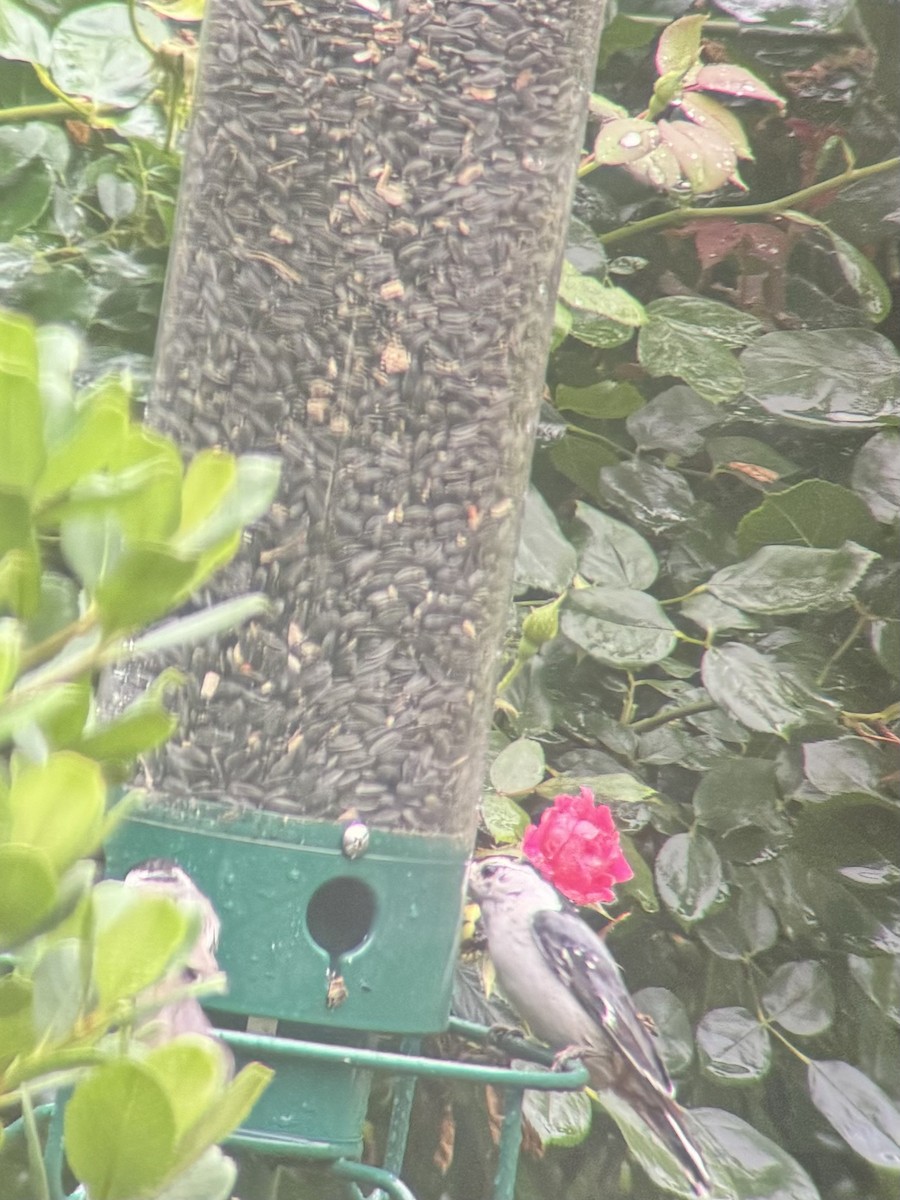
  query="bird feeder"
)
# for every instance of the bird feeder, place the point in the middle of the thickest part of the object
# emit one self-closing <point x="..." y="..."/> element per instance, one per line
<point x="362" y="281"/>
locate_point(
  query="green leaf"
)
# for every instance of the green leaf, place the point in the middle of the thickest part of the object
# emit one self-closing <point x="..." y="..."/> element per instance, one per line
<point x="192" y="1071"/>
<point x="246" y="498"/>
<point x="827" y="377"/>
<point x="120" y="1131"/>
<point x="21" y="423"/>
<point x="558" y="1118"/>
<point x="22" y="35"/>
<point x="757" y="690"/>
<point x="800" y="998"/>
<point x="518" y="768"/>
<point x="504" y="820"/>
<point x="673" y="421"/>
<point x="545" y="559"/>
<point x="618" y="626"/>
<point x="146" y="582"/>
<point x="602" y="314"/>
<point x="60" y="990"/>
<point x="17" y="1033"/>
<point x="793" y="579"/>
<point x="663" y="1168"/>
<point x="23" y="201"/>
<point x="738" y="792"/>
<point x="813" y="513"/>
<point x="145" y="725"/>
<point x="94" y="54"/>
<point x="611" y="553"/>
<point x="672" y="1026"/>
<point x="229" y="1111"/>
<point x="746" y="451"/>
<point x="688" y="874"/>
<point x="732" y="1046"/>
<point x="747" y="926"/>
<point x="864" y="1115"/>
<point x="844" y="764"/>
<point x="716" y="616"/>
<point x="187" y="631"/>
<point x="580" y="460"/>
<point x="89" y="445"/>
<point x="692" y="337"/>
<point x="603" y="401"/>
<point x="879" y="978"/>
<point x="58" y="806"/>
<point x="28" y="891"/>
<point x="92" y="546"/>
<point x="136" y="938"/>
<point x="10" y="652"/>
<point x="745" y="1163"/>
<point x="859" y="272"/>
<point x="652" y="496"/>
<point x="679" y="45"/>
<point x="57" y="606"/>
<point x="854" y="839"/>
<point x="562" y="325"/>
<point x="615" y="788"/>
<point x="211" y="1177"/>
<point x="876" y="475"/>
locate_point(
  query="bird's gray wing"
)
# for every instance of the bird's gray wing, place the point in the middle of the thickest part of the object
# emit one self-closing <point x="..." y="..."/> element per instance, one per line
<point x="580" y="958"/>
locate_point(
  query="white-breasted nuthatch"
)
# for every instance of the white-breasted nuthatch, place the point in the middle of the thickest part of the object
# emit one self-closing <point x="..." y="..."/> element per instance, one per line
<point x="561" y="978"/>
<point x="182" y="1014"/>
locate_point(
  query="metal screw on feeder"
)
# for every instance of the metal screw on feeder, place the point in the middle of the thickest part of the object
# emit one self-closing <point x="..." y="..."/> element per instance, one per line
<point x="362" y="279"/>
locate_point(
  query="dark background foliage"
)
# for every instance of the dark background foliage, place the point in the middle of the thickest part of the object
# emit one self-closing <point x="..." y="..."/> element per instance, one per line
<point x="708" y="618"/>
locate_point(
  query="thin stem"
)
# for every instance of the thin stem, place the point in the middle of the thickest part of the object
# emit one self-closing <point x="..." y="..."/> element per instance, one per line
<point x="579" y="431"/>
<point x="858" y="628"/>
<point x="37" y="1170"/>
<point x="678" y="216"/>
<point x="672" y="714"/>
<point x="52" y="645"/>
<point x="137" y="31"/>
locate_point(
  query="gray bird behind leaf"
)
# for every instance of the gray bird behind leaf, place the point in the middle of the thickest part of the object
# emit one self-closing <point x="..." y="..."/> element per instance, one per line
<point x="180" y="1014"/>
<point x="562" y="979"/>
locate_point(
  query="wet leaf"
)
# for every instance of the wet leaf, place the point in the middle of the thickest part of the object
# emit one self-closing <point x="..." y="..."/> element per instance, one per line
<point x="793" y="579"/>
<point x="756" y="689"/>
<point x="738" y="792"/>
<point x="618" y="626"/>
<point x="833" y="378"/>
<point x="605" y="401"/>
<point x="671" y="1025"/>
<point x="692" y="337"/>
<point x="732" y="1046"/>
<point x="504" y="820"/>
<point x="799" y="996"/>
<point x="611" y="553"/>
<point x="745" y="1163"/>
<point x="558" y="1118"/>
<point x="876" y="475"/>
<point x="546" y="559"/>
<point x="518" y="768"/>
<point x="688" y="874"/>
<point x="858" y="1109"/>
<point x="813" y="513"/>
<point x="747" y="926"/>
<point x="652" y="496"/>
<point x="673" y="421"/>
<point x="95" y="55"/>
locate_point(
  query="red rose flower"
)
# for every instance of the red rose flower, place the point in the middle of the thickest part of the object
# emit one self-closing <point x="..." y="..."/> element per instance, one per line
<point x="576" y="848"/>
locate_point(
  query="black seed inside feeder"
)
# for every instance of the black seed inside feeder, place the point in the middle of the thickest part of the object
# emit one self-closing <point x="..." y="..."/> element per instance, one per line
<point x="362" y="282"/>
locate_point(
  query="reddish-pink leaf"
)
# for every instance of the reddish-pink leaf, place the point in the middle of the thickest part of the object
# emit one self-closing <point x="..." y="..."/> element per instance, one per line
<point x="733" y="81"/>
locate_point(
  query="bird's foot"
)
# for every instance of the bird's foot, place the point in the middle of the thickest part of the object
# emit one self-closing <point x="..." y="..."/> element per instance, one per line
<point x="568" y="1057"/>
<point x="499" y="1033"/>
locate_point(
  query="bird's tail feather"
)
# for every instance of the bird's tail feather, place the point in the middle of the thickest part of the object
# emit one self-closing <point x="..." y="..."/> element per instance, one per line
<point x="667" y="1119"/>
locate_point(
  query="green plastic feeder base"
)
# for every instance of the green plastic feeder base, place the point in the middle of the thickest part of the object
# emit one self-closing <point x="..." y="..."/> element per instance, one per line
<point x="333" y="947"/>
<point x="296" y="912"/>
